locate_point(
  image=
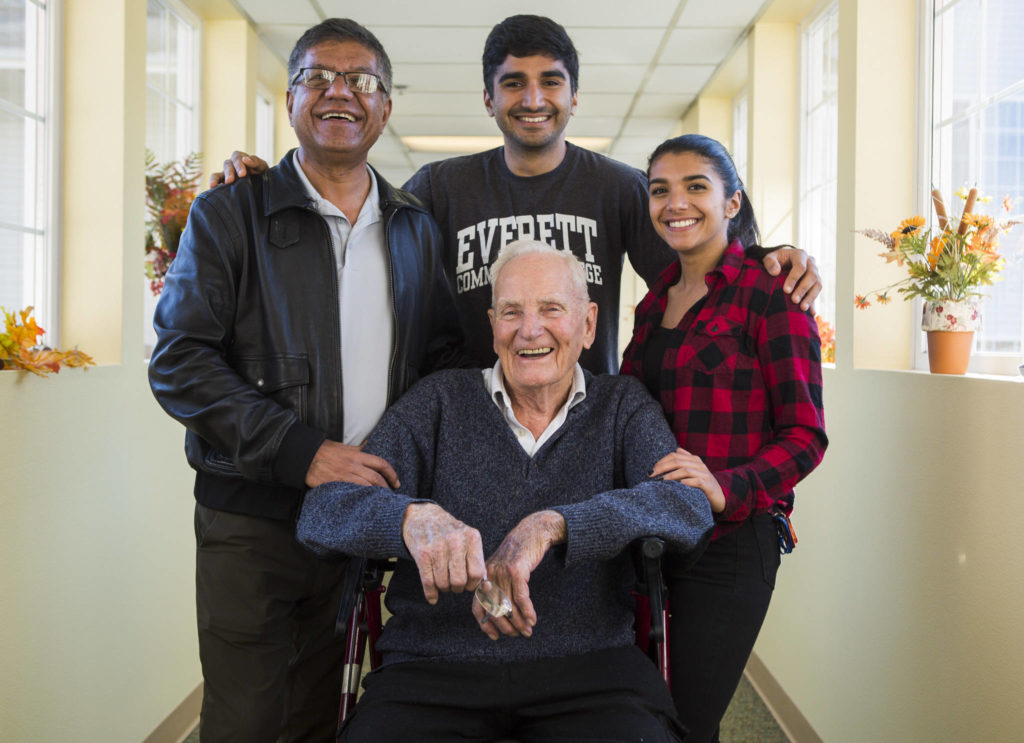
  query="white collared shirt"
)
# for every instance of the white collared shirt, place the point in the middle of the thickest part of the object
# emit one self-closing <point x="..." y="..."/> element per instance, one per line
<point x="495" y="382"/>
<point x="365" y="307"/>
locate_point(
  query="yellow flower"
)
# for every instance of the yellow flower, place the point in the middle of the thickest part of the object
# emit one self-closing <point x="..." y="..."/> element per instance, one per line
<point x="883" y="298"/>
<point x="911" y="226"/>
<point x="907" y="227"/>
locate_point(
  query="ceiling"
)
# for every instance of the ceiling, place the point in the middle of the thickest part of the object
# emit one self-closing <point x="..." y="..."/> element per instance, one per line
<point x="639" y="69"/>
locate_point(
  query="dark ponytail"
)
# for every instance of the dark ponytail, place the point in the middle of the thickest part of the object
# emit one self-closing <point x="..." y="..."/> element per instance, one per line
<point x="743" y="226"/>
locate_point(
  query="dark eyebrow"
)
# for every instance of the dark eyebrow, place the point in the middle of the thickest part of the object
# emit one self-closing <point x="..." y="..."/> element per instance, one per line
<point x="686" y="179"/>
<point x="522" y="75"/>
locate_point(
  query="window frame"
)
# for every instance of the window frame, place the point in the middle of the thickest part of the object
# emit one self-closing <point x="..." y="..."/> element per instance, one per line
<point x="740" y="107"/>
<point x="195" y="129"/>
<point x="982" y="362"/>
<point x="186" y="15"/>
<point x="821" y="10"/>
<point x="265" y="118"/>
<point x="45" y="291"/>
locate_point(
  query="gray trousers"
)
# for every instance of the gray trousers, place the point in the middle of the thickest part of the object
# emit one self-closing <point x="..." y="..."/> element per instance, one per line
<point x="266" y="608"/>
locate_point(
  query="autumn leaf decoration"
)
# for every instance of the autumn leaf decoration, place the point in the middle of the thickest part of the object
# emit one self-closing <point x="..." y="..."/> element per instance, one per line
<point x="20" y="349"/>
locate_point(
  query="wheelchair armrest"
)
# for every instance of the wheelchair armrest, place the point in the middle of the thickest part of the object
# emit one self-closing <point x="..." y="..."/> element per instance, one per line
<point x="651" y="551"/>
<point x="361" y="575"/>
<point x="351" y="592"/>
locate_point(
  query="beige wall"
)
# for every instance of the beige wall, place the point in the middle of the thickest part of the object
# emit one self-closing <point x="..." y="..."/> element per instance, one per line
<point x="97" y="625"/>
<point x="897" y="617"/>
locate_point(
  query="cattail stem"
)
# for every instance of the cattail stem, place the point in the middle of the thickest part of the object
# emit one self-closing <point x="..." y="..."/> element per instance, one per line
<point x="940" y="209"/>
<point x="968" y="206"/>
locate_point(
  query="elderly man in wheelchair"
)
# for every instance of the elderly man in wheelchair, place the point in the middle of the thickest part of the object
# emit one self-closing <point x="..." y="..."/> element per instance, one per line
<point x="545" y="469"/>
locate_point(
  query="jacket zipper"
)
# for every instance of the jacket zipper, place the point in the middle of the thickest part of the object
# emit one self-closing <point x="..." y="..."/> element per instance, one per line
<point x="336" y="321"/>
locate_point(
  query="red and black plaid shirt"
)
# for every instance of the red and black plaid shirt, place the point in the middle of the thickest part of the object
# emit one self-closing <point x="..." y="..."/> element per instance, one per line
<point x="740" y="383"/>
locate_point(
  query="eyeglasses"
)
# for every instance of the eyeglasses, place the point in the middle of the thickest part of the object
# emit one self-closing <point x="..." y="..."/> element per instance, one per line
<point x="317" y="78"/>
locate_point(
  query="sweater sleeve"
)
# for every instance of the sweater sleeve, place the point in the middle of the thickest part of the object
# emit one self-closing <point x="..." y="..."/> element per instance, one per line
<point x="366" y="520"/>
<point x="602" y="526"/>
<point x="790" y="357"/>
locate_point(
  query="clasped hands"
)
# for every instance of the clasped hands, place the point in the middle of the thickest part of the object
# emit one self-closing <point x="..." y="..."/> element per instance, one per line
<point x="449" y="556"/>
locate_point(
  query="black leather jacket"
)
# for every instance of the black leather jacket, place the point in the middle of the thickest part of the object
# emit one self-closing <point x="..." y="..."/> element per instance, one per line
<point x="247" y="356"/>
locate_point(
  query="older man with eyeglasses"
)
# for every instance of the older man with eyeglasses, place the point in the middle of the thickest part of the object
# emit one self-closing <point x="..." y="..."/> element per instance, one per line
<point x="545" y="469"/>
<point x="301" y="303"/>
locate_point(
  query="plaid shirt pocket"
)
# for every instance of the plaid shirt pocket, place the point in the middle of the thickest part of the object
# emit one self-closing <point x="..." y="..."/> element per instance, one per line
<point x="721" y="346"/>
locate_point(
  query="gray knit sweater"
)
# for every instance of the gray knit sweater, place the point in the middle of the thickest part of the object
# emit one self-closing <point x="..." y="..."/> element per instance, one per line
<point x="450" y="444"/>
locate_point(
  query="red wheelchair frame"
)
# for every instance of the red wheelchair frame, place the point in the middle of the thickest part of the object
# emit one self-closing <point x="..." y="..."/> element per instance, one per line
<point x="360" y="615"/>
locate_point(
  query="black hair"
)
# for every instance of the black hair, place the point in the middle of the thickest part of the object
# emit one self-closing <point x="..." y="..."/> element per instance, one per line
<point x="340" y="29"/>
<point x="524" y="36"/>
<point x="743" y="226"/>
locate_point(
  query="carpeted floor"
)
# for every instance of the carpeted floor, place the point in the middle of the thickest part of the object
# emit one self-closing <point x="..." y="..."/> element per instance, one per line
<point x="746" y="721"/>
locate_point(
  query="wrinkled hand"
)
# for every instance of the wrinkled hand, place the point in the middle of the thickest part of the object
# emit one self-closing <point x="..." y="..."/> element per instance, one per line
<point x="448" y="553"/>
<point x="334" y="461"/>
<point x="803" y="282"/>
<point x="237" y="166"/>
<point x="689" y="469"/>
<point x="510" y="567"/>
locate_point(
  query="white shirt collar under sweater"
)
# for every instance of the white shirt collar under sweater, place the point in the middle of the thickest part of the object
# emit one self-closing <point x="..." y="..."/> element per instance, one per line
<point x="495" y="382"/>
<point x="365" y="307"/>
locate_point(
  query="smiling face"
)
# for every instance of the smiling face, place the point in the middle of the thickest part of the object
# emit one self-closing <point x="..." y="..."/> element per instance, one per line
<point x="688" y="204"/>
<point x="338" y="123"/>
<point x="532" y="101"/>
<point x="540" y="325"/>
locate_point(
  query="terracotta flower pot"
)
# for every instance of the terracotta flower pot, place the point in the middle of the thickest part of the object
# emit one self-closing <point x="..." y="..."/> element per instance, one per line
<point x="950" y="327"/>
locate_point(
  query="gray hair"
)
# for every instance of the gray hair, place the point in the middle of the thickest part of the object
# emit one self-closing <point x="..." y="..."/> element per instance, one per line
<point x="536" y="247"/>
<point x="341" y="30"/>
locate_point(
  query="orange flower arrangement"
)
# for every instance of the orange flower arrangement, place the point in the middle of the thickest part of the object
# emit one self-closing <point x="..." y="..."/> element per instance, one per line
<point x="170" y="190"/>
<point x="827" y="335"/>
<point x="950" y="265"/>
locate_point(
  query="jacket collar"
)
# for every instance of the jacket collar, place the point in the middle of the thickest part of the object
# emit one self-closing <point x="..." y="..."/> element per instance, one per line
<point x="284" y="190"/>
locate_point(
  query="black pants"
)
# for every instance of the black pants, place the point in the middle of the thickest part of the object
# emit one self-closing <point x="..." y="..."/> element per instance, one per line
<point x="266" y="608"/>
<point x="609" y="695"/>
<point x="717" y="608"/>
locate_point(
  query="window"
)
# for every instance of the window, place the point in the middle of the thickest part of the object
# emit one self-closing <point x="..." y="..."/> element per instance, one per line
<point x="819" y="143"/>
<point x="978" y="140"/>
<point x="172" y="101"/>
<point x="27" y="135"/>
<point x="172" y="93"/>
<point x="265" y="126"/>
<point x="739" y="135"/>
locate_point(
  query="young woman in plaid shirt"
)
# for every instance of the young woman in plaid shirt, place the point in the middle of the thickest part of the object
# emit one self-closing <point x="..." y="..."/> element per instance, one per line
<point x="736" y="365"/>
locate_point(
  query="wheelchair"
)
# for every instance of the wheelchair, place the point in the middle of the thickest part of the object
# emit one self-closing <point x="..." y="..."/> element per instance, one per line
<point x="360" y="619"/>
